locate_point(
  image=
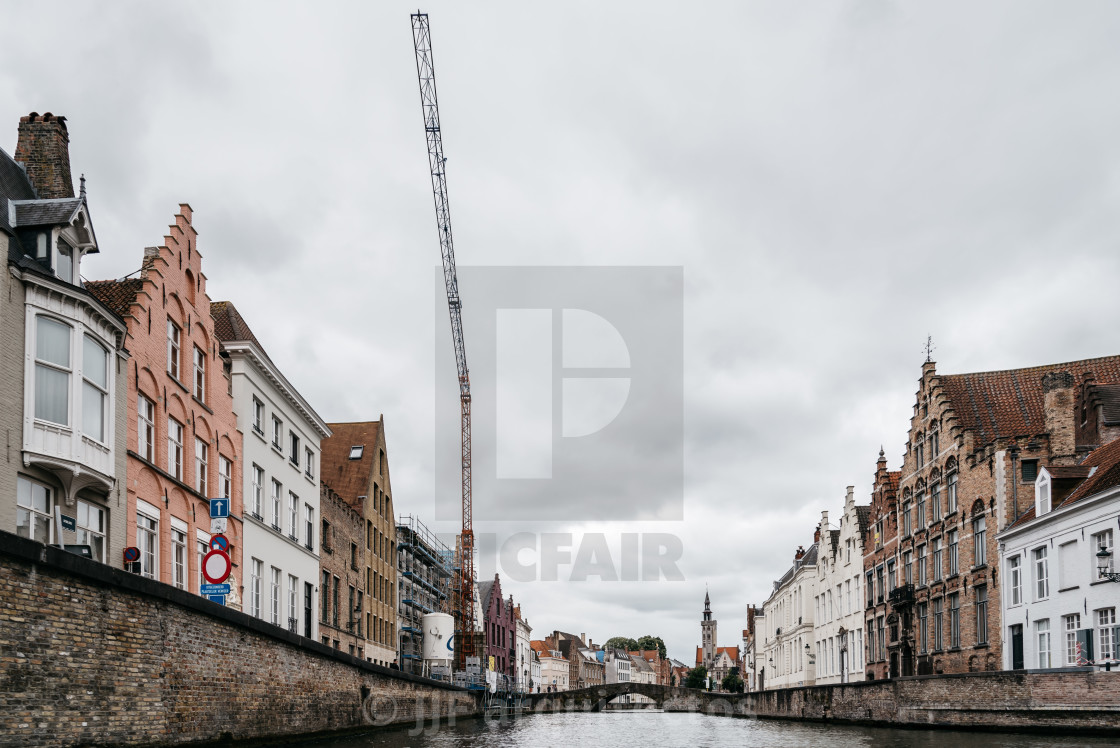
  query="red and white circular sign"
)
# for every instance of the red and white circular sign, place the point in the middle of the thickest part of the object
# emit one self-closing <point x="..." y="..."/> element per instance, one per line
<point x="216" y="566"/>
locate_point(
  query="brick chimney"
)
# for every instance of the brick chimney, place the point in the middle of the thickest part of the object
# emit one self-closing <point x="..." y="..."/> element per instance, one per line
<point x="801" y="550"/>
<point x="1058" y="414"/>
<point x="44" y="149"/>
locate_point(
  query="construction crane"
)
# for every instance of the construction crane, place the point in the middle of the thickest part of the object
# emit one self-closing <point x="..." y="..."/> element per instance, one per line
<point x="426" y="73"/>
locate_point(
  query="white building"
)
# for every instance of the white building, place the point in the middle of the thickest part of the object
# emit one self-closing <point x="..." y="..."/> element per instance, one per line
<point x="838" y="604"/>
<point x="784" y="629"/>
<point x="281" y="472"/>
<point x="554" y="668"/>
<point x="1057" y="611"/>
<point x="63" y="404"/>
<point x="524" y="652"/>
<point x="534" y="672"/>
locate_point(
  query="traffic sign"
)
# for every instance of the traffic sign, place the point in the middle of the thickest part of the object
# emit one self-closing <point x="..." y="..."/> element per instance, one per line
<point x="216" y="566"/>
<point x="219" y="508"/>
<point x="214" y="589"/>
<point x="219" y="543"/>
<point x="218" y="524"/>
<point x="219" y="599"/>
<point x="132" y="553"/>
<point x="69" y="523"/>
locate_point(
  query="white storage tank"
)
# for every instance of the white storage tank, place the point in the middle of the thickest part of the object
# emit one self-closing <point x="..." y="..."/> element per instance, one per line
<point x="439" y="639"/>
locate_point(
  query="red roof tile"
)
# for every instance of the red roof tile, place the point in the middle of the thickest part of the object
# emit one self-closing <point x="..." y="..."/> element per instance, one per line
<point x="117" y="295"/>
<point x="1008" y="403"/>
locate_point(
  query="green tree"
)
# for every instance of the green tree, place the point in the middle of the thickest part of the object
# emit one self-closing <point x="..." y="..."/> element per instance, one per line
<point x="732" y="683"/>
<point x="696" y="677"/>
<point x="653" y="642"/>
<point x="621" y="642"/>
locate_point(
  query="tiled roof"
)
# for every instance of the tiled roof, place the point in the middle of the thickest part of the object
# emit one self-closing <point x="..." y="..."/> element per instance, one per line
<point x="893" y="479"/>
<point x="863" y="516"/>
<point x="1008" y="403"/>
<point x="46" y="212"/>
<point x="350" y="478"/>
<point x="732" y="652"/>
<point x="1099" y="471"/>
<point x="1106" y="460"/>
<point x="229" y="325"/>
<point x="116" y="295"/>
<point x="1108" y="395"/>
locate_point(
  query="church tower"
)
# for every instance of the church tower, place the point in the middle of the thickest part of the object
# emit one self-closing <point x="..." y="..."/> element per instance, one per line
<point x="708" y="634"/>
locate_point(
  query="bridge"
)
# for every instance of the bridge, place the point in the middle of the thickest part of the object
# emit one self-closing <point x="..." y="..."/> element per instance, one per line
<point x="669" y="698"/>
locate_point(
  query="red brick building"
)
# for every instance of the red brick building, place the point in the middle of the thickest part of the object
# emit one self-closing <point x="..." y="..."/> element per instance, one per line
<point x="879" y="563"/>
<point x="974" y="447"/>
<point x="184" y="447"/>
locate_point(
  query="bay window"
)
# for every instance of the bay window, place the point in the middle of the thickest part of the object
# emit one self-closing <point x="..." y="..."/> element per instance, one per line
<point x="95" y="389"/>
<point x="52" y="371"/>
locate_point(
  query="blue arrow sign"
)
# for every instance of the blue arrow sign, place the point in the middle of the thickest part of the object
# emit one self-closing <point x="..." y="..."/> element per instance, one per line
<point x="219" y="508"/>
<point x="219" y="599"/>
<point x="214" y="589"/>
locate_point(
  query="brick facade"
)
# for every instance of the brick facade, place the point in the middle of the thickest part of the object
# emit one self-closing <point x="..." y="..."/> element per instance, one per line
<point x="92" y="655"/>
<point x="342" y="583"/>
<point x="191" y="451"/>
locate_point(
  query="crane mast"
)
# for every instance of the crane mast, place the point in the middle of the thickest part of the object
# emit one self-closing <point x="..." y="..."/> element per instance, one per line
<point x="425" y="71"/>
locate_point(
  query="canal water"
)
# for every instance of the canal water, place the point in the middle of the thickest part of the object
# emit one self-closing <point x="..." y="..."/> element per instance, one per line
<point x="647" y="729"/>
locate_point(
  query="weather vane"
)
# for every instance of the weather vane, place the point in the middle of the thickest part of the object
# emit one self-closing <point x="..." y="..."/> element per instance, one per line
<point x="929" y="349"/>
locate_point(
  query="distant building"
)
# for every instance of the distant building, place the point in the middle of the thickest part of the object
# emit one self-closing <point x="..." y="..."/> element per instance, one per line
<point x="355" y="464"/>
<point x="838" y="606"/>
<point x="280" y="474"/>
<point x="584" y="668"/>
<point x="63" y="362"/>
<point x="784" y="630"/>
<point x="1057" y="610"/>
<point x="524" y="652"/>
<point x="880" y="568"/>
<point x="717" y="661"/>
<point x="499" y="627"/>
<point x="554" y="667"/>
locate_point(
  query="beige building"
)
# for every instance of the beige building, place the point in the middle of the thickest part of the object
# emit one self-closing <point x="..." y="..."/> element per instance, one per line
<point x="355" y="464"/>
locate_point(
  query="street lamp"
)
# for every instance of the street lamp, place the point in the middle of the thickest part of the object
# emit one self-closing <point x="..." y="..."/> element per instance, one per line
<point x="1104" y="565"/>
<point x="808" y="653"/>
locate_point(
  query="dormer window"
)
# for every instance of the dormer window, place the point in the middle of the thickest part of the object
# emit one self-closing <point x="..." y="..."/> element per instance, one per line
<point x="356" y="452"/>
<point x="42" y="251"/>
<point x="1042" y="493"/>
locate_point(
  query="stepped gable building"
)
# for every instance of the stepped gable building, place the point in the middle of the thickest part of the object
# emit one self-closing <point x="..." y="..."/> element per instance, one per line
<point x="341" y="610"/>
<point x="838" y="607"/>
<point x="184" y="446"/>
<point x="355" y="464"/>
<point x="880" y="545"/>
<point x="281" y="485"/>
<point x="62" y="358"/>
<point x="975" y="447"/>
<point x="499" y="627"/>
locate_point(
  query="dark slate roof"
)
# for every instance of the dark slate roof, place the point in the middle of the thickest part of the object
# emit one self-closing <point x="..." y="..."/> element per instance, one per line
<point x="995" y="404"/>
<point x="116" y="295"/>
<point x="863" y="515"/>
<point x="229" y="325"/>
<point x="1108" y="395"/>
<point x="484" y="590"/>
<point x="46" y="212"/>
<point x="14" y="185"/>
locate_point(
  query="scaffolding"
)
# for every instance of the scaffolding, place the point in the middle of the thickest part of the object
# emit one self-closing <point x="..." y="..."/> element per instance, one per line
<point x="424" y="573"/>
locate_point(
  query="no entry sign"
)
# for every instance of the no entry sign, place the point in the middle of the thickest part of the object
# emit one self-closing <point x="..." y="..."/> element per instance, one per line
<point x="216" y="566"/>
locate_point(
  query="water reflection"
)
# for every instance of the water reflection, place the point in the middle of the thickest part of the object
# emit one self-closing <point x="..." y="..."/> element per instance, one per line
<point x="646" y="729"/>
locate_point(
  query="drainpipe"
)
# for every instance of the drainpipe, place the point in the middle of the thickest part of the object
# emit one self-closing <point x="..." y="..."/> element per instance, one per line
<point x="1014" y="481"/>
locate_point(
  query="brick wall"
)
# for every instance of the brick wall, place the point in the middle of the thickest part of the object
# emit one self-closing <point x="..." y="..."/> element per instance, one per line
<point x="342" y="559"/>
<point x="91" y="655"/>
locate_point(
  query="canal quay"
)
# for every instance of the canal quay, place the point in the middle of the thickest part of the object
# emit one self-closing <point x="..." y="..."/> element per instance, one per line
<point x="649" y="728"/>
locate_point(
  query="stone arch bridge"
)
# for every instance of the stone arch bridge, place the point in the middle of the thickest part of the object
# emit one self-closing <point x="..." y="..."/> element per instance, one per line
<point x="669" y="698"/>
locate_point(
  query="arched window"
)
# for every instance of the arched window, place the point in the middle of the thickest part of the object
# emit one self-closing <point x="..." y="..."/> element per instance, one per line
<point x="935" y="495"/>
<point x="919" y="449"/>
<point x="933" y="440"/>
<point x="906" y="518"/>
<point x="920" y="503"/>
<point x="951" y="486"/>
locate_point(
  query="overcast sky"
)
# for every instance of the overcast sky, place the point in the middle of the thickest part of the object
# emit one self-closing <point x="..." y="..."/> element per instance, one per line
<point x="837" y="180"/>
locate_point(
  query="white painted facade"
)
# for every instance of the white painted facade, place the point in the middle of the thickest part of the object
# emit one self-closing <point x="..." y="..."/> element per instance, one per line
<point x="1052" y="595"/>
<point x="534" y="672"/>
<point x="554" y="671"/>
<point x="838" y="603"/>
<point x="281" y="495"/>
<point x="785" y="628"/>
<point x="524" y="652"/>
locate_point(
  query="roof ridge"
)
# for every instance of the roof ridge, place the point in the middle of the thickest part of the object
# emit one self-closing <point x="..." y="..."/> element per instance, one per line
<point x="1039" y="367"/>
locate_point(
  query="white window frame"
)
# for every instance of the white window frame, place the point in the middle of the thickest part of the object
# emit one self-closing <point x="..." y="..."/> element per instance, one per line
<point x="309" y="527"/>
<point x="275" y="596"/>
<point x="1042" y="493"/>
<point x="293" y="514"/>
<point x="145" y="427"/>
<point x="258" y="415"/>
<point x="89" y="533"/>
<point x="277" y="433"/>
<point x="147" y="539"/>
<point x="225" y="477"/>
<point x="1042" y="638"/>
<point x="198" y="386"/>
<point x="277" y="499"/>
<point x="98" y="390"/>
<point x="179" y="566"/>
<point x="67" y="369"/>
<point x="1104" y="537"/>
<point x="201" y="464"/>
<point x="175" y="448"/>
<point x="258" y="491"/>
<point x="174" y="348"/>
<point x="1015" y="573"/>
<point x="1041" y="565"/>
<point x="1105" y="620"/>
<point x="26" y="487"/>
<point x="1070" y="624"/>
<point x="256" y="570"/>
